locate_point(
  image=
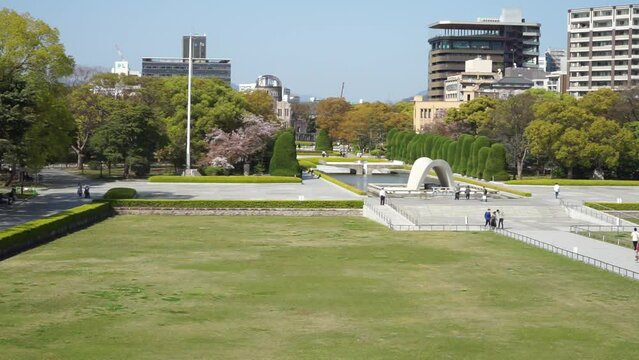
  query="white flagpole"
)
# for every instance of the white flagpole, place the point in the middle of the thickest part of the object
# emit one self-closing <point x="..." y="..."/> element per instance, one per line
<point x="188" y="109"/>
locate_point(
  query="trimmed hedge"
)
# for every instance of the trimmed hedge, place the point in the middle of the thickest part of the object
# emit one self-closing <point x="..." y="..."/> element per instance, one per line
<point x="574" y="182"/>
<point x="238" y="204"/>
<point x="342" y="184"/>
<point x="120" y="193"/>
<point x="225" y="179"/>
<point x="482" y="157"/>
<point x="305" y="164"/>
<point x="494" y="187"/>
<point x="32" y="233"/>
<point x="495" y="166"/>
<point x="613" y="206"/>
<point x="284" y="159"/>
<point x="323" y="141"/>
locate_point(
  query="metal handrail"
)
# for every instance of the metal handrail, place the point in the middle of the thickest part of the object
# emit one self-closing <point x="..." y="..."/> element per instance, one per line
<point x="571" y="254"/>
<point x="402" y="212"/>
<point x="368" y="203"/>
<point x="591" y="212"/>
<point x="602" y="228"/>
<point x="440" y="227"/>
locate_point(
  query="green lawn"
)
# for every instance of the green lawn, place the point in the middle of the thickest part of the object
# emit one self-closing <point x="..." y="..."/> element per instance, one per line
<point x="194" y="287"/>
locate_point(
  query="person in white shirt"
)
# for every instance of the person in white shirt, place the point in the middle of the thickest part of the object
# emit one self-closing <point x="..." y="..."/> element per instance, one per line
<point x="556" y="188"/>
<point x="382" y="196"/>
<point x="635" y="238"/>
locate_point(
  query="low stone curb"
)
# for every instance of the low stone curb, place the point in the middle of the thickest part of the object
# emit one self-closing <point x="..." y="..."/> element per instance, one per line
<point x="239" y="212"/>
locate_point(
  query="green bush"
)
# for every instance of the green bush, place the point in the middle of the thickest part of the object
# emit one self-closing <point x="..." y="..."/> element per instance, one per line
<point x="120" y="193"/>
<point x="496" y="164"/>
<point x="33" y="232"/>
<point x="284" y="160"/>
<point x="466" y="145"/>
<point x="377" y="153"/>
<point x="239" y="204"/>
<point x="225" y="179"/>
<point x="305" y="164"/>
<point x="574" y="182"/>
<point x="213" y="171"/>
<point x="450" y="155"/>
<point x="482" y="156"/>
<point x="428" y="145"/>
<point x="139" y="165"/>
<point x="323" y="141"/>
<point x="93" y="165"/>
<point x="474" y="166"/>
<point x="390" y="142"/>
<point x="342" y="184"/>
<point x="613" y="206"/>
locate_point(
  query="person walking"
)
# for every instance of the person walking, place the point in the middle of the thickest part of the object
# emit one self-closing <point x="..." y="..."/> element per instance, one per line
<point x="500" y="219"/>
<point x="382" y="196"/>
<point x="79" y="189"/>
<point x="487" y="216"/>
<point x="485" y="196"/>
<point x="467" y="192"/>
<point x="635" y="238"/>
<point x="556" y="189"/>
<point x="457" y="191"/>
<point x="87" y="194"/>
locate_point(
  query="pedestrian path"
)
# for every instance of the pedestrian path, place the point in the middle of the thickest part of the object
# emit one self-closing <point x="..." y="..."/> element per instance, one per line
<point x="608" y="254"/>
<point x="546" y="221"/>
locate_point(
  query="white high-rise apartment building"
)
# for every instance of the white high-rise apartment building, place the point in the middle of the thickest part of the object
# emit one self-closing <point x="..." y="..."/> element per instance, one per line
<point x="603" y="48"/>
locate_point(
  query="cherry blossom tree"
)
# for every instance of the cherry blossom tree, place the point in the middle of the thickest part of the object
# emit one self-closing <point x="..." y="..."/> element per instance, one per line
<point x="239" y="145"/>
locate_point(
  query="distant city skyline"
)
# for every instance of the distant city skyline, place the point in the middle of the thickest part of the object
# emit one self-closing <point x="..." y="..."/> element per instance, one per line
<point x="378" y="48"/>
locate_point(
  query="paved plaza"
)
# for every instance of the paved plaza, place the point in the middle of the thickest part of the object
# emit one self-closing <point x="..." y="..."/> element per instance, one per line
<point x="60" y="194"/>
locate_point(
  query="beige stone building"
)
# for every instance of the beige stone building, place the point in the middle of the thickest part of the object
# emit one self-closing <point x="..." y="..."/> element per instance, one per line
<point x="427" y="112"/>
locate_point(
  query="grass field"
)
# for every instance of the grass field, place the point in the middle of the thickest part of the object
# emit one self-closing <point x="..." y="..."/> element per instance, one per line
<point x="297" y="288"/>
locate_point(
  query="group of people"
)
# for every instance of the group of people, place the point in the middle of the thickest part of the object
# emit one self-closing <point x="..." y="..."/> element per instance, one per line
<point x="467" y="193"/>
<point x="84" y="191"/>
<point x="494" y="219"/>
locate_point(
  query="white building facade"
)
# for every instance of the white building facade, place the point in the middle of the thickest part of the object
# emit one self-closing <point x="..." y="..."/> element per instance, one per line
<point x="603" y="48"/>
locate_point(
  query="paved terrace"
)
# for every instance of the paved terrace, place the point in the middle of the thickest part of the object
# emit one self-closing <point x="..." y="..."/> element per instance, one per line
<point x="541" y="217"/>
<point x="60" y="194"/>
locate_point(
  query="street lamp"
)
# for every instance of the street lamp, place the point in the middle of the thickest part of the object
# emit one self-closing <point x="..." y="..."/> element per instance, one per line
<point x="188" y="109"/>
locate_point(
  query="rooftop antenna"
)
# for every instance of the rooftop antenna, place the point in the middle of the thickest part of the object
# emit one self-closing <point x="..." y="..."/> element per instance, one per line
<point x="341" y="93"/>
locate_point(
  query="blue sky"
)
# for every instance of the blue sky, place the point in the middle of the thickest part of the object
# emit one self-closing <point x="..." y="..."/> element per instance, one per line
<point x="378" y="48"/>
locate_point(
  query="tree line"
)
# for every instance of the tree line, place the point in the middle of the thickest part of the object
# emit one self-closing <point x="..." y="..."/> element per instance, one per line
<point x="114" y="119"/>
<point x="468" y="155"/>
<point x="363" y="125"/>
<point x="596" y="136"/>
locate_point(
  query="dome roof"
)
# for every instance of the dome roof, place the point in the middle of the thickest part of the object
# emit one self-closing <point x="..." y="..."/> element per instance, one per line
<point x="268" y="81"/>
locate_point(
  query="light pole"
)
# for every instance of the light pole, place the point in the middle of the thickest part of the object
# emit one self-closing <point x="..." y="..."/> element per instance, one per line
<point x="188" y="109"/>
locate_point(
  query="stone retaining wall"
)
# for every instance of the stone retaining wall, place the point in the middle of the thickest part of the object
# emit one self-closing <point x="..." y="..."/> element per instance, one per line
<point x="239" y="212"/>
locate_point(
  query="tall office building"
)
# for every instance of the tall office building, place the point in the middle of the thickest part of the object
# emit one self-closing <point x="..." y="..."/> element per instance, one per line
<point x="508" y="41"/>
<point x="603" y="45"/>
<point x="202" y="66"/>
<point x="198" y="44"/>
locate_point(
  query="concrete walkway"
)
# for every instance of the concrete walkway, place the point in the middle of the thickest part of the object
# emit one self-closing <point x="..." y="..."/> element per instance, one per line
<point x="60" y="194"/>
<point x="541" y="218"/>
